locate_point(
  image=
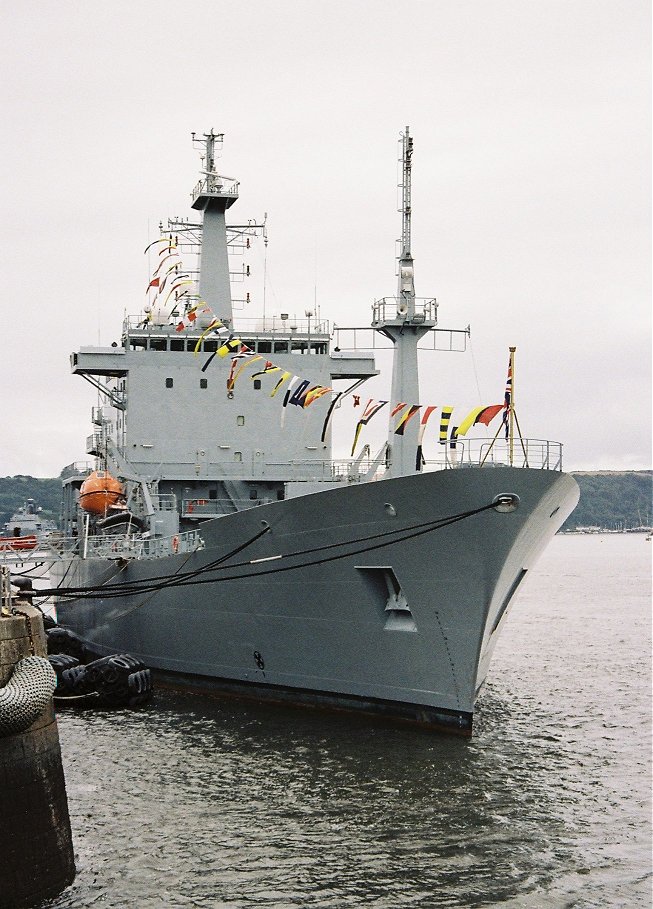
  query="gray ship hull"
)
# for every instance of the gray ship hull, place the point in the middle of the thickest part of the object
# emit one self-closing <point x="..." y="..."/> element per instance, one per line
<point x="385" y="597"/>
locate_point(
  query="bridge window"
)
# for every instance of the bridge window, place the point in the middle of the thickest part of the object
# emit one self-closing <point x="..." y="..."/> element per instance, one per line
<point x="265" y="346"/>
<point x="281" y="347"/>
<point x="158" y="343"/>
<point x="210" y="345"/>
<point x="177" y="344"/>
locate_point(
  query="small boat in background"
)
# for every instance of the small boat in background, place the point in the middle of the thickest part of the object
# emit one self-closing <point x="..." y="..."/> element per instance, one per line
<point x="25" y="528"/>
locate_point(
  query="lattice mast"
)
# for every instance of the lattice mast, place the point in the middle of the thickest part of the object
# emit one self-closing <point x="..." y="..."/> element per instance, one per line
<point x="406" y="275"/>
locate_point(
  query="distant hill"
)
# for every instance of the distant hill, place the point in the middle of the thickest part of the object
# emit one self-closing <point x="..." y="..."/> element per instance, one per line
<point x="612" y="499"/>
<point x="608" y="498"/>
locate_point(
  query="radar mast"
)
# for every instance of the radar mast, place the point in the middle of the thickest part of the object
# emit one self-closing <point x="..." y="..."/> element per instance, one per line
<point x="213" y="195"/>
<point x="404" y="320"/>
<point x="406" y="276"/>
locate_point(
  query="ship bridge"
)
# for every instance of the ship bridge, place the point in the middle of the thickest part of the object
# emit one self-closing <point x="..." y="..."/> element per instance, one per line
<point x="276" y="338"/>
<point x="273" y="337"/>
<point x="183" y="416"/>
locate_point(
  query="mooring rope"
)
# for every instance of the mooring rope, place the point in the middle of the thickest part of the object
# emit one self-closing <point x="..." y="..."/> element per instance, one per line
<point x="260" y="567"/>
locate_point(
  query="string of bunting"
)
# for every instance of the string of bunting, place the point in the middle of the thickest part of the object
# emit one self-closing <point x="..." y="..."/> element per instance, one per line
<point x="180" y="286"/>
<point x="299" y="392"/>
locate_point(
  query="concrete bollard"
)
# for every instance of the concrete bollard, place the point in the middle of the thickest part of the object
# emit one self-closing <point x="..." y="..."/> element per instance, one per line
<point x="36" y="849"/>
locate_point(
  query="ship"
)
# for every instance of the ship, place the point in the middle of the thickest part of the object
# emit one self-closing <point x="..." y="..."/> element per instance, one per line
<point x="217" y="538"/>
<point x="26" y="528"/>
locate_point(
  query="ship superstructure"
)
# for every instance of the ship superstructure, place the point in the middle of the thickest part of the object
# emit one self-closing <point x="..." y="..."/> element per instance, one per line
<point x="28" y="520"/>
<point x="238" y="553"/>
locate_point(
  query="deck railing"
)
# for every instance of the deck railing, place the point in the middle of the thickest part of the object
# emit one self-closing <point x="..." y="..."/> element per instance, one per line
<point x="388" y="308"/>
<point x="540" y="454"/>
<point x="121" y="546"/>
<point x="272" y="327"/>
<point x="536" y="453"/>
<point x="213" y="185"/>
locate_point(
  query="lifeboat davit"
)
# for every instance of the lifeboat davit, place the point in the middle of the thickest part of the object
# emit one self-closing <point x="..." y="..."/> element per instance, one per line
<point x="100" y="491"/>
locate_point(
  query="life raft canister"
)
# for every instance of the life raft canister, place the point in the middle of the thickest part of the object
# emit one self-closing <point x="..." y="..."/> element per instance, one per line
<point x="99" y="492"/>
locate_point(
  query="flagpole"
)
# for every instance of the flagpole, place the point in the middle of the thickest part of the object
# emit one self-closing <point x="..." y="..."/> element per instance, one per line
<point x="511" y="415"/>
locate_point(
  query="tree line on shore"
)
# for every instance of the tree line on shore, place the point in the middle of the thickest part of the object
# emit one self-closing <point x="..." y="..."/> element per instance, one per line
<point x="612" y="500"/>
<point x="609" y="499"/>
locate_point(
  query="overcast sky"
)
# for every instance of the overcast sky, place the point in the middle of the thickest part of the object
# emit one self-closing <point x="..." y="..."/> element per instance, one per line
<point x="531" y="190"/>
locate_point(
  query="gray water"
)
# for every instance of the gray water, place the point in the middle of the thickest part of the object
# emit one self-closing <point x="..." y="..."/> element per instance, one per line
<point x="208" y="803"/>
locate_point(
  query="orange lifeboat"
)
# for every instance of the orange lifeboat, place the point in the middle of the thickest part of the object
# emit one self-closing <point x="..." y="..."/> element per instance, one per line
<point x="100" y="491"/>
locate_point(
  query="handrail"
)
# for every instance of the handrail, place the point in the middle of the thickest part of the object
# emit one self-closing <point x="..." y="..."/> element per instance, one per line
<point x="213" y="186"/>
<point x="537" y="453"/>
<point x="128" y="546"/>
<point x="540" y="454"/>
<point x="534" y="453"/>
<point x="284" y="329"/>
